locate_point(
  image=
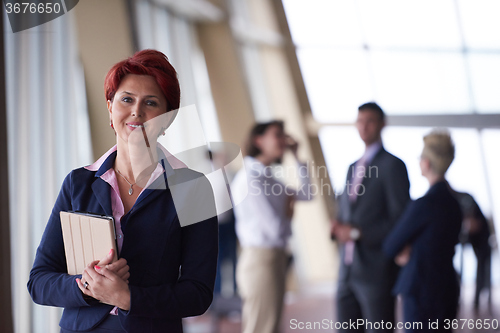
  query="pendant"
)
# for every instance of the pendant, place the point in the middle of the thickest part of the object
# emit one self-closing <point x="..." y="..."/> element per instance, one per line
<point x="130" y="191"/>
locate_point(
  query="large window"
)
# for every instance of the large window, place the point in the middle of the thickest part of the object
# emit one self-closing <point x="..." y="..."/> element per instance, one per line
<point x="416" y="59"/>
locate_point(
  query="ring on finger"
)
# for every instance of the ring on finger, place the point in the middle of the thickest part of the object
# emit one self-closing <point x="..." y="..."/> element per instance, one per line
<point x="86" y="285"/>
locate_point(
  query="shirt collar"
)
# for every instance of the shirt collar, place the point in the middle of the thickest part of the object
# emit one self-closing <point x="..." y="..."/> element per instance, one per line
<point x="372" y="150"/>
<point x="254" y="163"/>
<point x="438" y="186"/>
<point x="256" y="167"/>
<point x="106" y="161"/>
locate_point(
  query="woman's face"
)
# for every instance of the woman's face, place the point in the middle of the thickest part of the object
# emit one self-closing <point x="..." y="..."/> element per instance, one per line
<point x="272" y="143"/>
<point x="137" y="100"/>
<point x="425" y="166"/>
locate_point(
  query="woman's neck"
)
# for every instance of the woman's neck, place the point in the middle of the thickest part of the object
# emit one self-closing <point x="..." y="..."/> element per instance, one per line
<point x="432" y="178"/>
<point x="135" y="161"/>
<point x="264" y="159"/>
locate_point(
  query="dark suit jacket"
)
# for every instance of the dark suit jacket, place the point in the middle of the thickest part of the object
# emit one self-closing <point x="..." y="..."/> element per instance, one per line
<point x="431" y="225"/>
<point x="478" y="238"/>
<point x="375" y="212"/>
<point x="172" y="268"/>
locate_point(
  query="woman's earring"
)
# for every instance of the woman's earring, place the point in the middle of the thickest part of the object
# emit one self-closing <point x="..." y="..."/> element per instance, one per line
<point x="111" y="124"/>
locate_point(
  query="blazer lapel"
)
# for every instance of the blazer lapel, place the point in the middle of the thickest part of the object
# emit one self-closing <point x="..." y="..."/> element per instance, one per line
<point x="346" y="202"/>
<point x="157" y="187"/>
<point x="149" y="194"/>
<point x="101" y="189"/>
<point x="102" y="192"/>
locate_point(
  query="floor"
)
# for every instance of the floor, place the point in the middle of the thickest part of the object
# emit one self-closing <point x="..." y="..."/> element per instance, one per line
<point x="317" y="306"/>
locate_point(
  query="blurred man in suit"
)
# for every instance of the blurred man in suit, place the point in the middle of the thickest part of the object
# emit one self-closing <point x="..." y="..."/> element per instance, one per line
<point x="375" y="195"/>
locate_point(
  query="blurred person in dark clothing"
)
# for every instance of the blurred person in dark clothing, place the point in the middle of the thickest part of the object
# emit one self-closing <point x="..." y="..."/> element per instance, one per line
<point x="227" y="252"/>
<point x="476" y="231"/>
<point x="227" y="233"/>
<point x="424" y="240"/>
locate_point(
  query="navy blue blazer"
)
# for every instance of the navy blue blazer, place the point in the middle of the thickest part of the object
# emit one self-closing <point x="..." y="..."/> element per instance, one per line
<point x="172" y="268"/>
<point x="431" y="225"/>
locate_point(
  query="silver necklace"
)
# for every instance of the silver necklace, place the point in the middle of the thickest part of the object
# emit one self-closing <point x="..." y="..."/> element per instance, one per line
<point x="130" y="190"/>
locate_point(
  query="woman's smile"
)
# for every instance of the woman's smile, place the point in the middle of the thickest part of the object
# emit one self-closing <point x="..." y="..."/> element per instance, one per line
<point x="134" y="125"/>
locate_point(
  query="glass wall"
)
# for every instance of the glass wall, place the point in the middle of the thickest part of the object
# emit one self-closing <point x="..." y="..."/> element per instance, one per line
<point x="414" y="58"/>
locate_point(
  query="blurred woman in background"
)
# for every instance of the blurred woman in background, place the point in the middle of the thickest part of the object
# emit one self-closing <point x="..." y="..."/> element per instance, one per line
<point x="263" y="226"/>
<point x="424" y="242"/>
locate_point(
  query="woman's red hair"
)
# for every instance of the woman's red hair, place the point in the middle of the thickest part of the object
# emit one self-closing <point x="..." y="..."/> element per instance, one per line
<point x="146" y="62"/>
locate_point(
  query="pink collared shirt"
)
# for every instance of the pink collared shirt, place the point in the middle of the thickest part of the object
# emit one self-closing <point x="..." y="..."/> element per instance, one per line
<point x="116" y="201"/>
<point x="358" y="174"/>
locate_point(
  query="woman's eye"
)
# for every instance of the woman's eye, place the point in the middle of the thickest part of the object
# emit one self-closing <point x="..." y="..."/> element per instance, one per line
<point x="151" y="103"/>
<point x="127" y="99"/>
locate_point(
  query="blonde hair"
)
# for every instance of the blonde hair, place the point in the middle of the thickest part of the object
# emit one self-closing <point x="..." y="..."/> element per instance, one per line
<point x="439" y="150"/>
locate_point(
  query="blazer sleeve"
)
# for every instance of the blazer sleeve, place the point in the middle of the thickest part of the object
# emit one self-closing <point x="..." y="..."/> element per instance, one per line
<point x="411" y="224"/>
<point x="192" y="293"/>
<point x="49" y="283"/>
<point x="397" y="197"/>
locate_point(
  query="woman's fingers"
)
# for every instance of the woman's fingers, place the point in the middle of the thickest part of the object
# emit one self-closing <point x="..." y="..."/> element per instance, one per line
<point x="81" y="285"/>
<point x="122" y="271"/>
<point x="90" y="274"/>
<point x="121" y="268"/>
<point x="404" y="256"/>
<point x="96" y="278"/>
<point x="111" y="289"/>
<point x="106" y="286"/>
<point x="103" y="282"/>
<point x="117" y="265"/>
<point x="108" y="259"/>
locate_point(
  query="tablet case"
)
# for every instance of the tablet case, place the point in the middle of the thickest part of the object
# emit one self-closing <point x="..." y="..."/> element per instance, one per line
<point x="87" y="237"/>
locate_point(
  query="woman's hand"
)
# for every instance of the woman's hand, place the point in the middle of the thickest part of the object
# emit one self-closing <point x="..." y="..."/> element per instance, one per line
<point x="403" y="257"/>
<point x="292" y="144"/>
<point x="105" y="286"/>
<point x="119" y="267"/>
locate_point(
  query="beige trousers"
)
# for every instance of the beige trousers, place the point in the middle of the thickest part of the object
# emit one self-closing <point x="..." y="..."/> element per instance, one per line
<point x="260" y="275"/>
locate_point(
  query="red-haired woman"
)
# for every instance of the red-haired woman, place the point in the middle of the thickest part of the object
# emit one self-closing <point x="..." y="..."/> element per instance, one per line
<point x="164" y="216"/>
